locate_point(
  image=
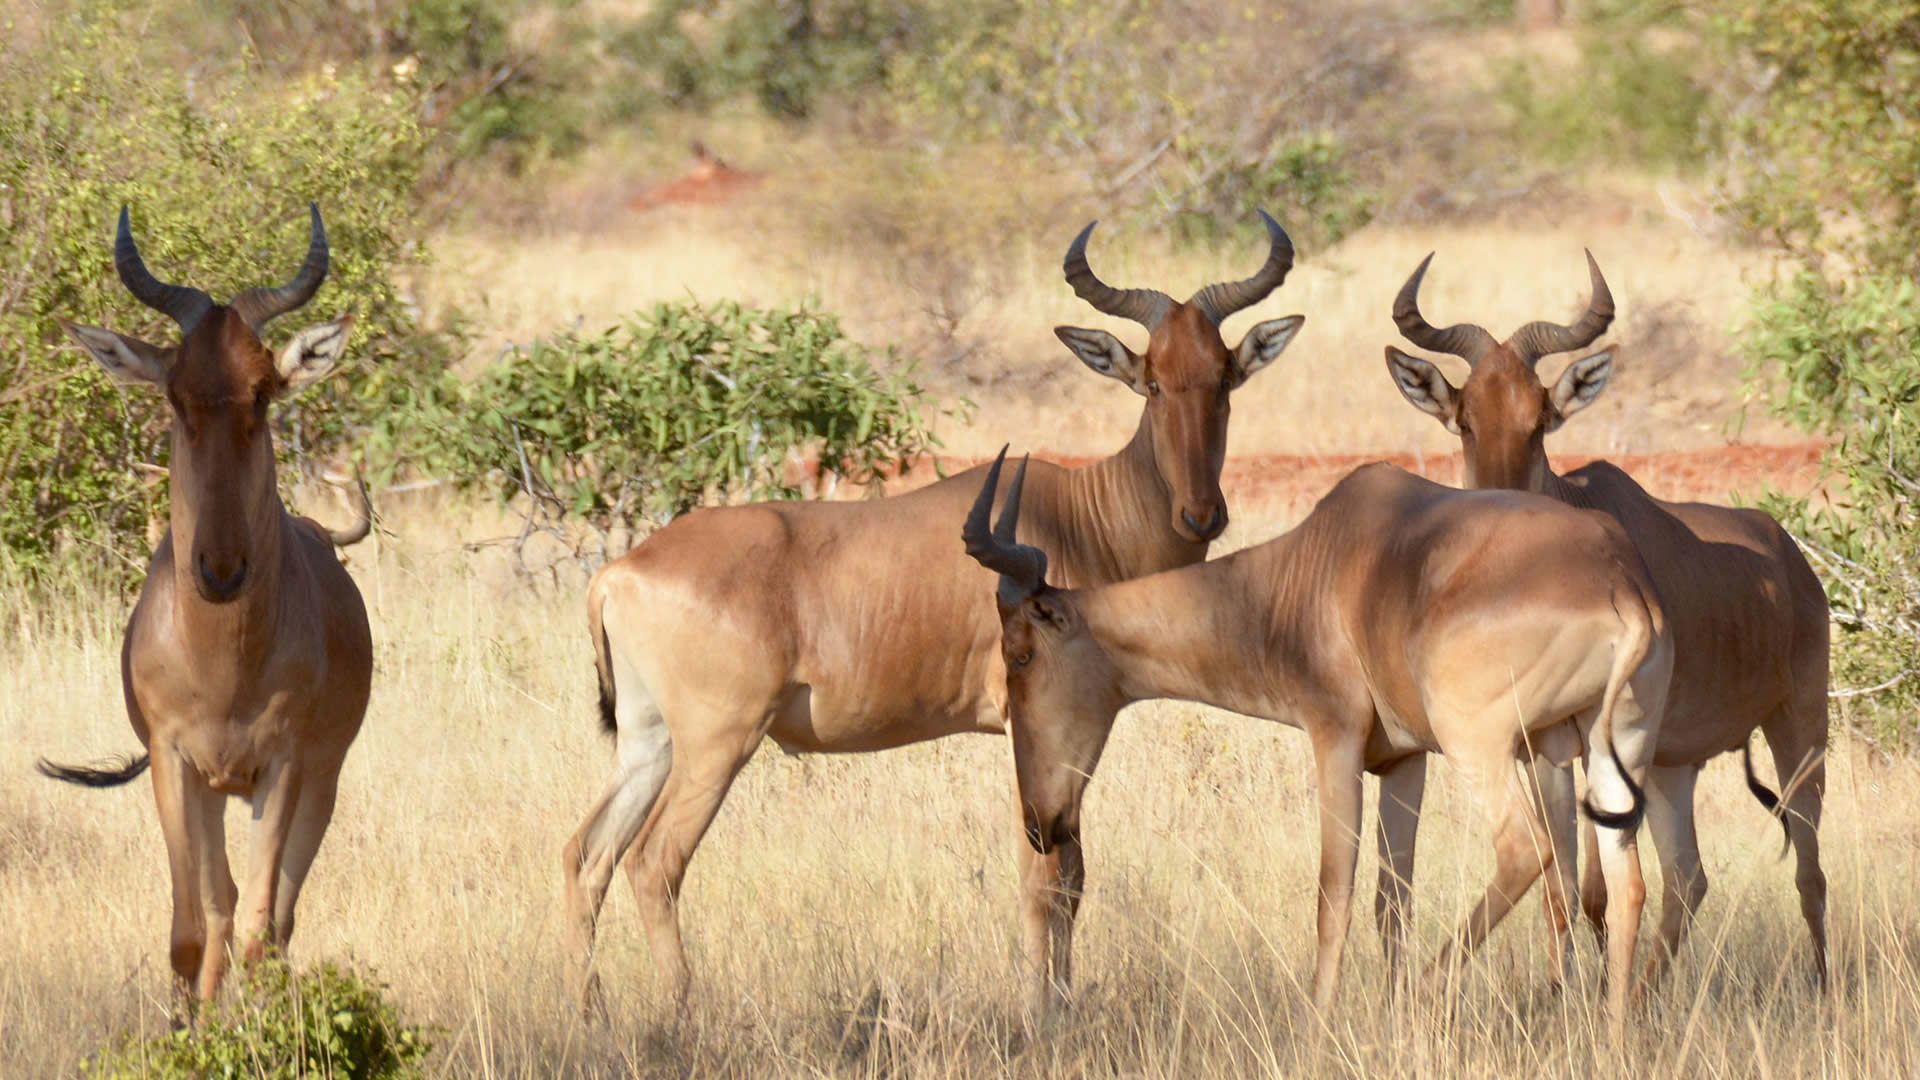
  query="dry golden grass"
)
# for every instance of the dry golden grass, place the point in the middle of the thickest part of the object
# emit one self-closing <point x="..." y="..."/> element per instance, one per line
<point x="855" y="915"/>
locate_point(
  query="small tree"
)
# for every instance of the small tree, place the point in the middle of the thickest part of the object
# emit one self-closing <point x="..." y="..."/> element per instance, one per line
<point x="673" y="407"/>
<point x="1826" y="166"/>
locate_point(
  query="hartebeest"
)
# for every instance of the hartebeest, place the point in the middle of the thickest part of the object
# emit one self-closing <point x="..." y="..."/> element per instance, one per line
<point x="247" y="660"/>
<point x="1399" y="617"/>
<point x="837" y="627"/>
<point x="1749" y="615"/>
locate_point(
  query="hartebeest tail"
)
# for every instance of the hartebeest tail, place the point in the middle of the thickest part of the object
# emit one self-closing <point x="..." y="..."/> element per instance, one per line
<point x="1766" y="796"/>
<point x="109" y="776"/>
<point x="602" y="664"/>
<point x="1629" y="654"/>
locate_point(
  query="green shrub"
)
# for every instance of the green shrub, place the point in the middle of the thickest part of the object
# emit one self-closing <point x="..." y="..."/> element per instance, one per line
<point x="1828" y="168"/>
<point x="1304" y="181"/>
<point x="278" y="1025"/>
<point x="486" y="95"/>
<point x="218" y="169"/>
<point x="652" y="417"/>
<point x="1625" y="102"/>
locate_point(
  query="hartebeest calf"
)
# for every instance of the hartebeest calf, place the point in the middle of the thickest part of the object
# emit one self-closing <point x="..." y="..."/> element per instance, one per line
<point x="1749" y="615"/>
<point x="247" y="661"/>
<point x="1399" y="617"/>
<point x="840" y="627"/>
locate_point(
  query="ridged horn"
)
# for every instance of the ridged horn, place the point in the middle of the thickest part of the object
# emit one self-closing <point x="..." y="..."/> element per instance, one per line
<point x="1022" y="568"/>
<point x="1464" y="340"/>
<point x="1144" y="306"/>
<point x="262" y="305"/>
<point x="1224" y="298"/>
<point x="183" y="304"/>
<point x="1538" y="339"/>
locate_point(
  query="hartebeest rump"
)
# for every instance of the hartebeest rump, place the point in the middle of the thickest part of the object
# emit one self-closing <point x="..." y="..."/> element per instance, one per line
<point x="1749" y="615"/>
<point x="838" y="627"/>
<point x="1399" y="617"/>
<point x="247" y="660"/>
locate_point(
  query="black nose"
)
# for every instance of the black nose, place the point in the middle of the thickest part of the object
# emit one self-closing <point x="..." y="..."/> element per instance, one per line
<point x="1211" y="529"/>
<point x="217" y="587"/>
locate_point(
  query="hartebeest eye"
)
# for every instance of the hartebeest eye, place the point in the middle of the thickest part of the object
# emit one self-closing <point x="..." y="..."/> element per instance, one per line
<point x="1153" y="388"/>
<point x="1023" y="658"/>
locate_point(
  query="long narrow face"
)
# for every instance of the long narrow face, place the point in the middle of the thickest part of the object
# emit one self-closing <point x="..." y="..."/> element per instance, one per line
<point x="219" y="382"/>
<point x="1062" y="696"/>
<point x="1504" y="411"/>
<point x="1188" y="374"/>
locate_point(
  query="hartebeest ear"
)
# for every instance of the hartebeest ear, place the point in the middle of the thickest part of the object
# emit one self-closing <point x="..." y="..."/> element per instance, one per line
<point x="314" y="352"/>
<point x="1263" y="345"/>
<point x="125" y="358"/>
<point x="1105" y="354"/>
<point x="1422" y="384"/>
<point x="1580" y="384"/>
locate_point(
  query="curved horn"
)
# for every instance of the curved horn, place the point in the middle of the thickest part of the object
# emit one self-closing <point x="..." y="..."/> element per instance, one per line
<point x="1022" y="568"/>
<point x="1538" y="339"/>
<point x="184" y="305"/>
<point x="1144" y="306"/>
<point x="259" y="306"/>
<point x="1224" y="298"/>
<point x="1464" y="340"/>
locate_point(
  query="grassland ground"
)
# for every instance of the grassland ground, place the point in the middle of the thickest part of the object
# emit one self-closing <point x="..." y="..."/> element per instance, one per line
<point x="854" y="915"/>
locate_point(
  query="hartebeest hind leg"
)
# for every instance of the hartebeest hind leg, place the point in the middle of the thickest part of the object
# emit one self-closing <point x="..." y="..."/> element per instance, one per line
<point x="697" y="784"/>
<point x="610" y="833"/>
<point x="1797" y="736"/>
<point x="1522" y="847"/>
<point x="1557" y="806"/>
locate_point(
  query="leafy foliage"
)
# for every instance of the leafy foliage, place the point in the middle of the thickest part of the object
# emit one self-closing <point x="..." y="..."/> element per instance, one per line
<point x="1628" y="100"/>
<point x="217" y="170"/>
<point x="671" y="407"/>
<point x="1828" y="167"/>
<point x="328" y="1022"/>
<point x="1306" y="181"/>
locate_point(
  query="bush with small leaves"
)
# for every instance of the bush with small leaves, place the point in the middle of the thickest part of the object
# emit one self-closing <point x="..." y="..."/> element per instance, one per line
<point x="328" y="1022"/>
<point x="672" y="407"/>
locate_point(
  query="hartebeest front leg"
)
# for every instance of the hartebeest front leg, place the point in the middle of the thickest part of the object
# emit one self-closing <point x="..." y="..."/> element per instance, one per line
<point x="1051" y="887"/>
<point x="1402" y="787"/>
<point x="1342" y="794"/>
<point x="188" y="941"/>
<point x="276" y="797"/>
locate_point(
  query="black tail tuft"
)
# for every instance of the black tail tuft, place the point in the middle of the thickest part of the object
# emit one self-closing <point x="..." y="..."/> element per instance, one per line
<point x="608" y="722"/>
<point x="1627" y="821"/>
<point x="113" y="775"/>
<point x="1767" y="798"/>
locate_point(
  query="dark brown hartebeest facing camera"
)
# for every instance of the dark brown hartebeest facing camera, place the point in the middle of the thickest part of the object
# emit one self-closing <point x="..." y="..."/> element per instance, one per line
<point x="1749" y="615"/>
<point x="855" y="626"/>
<point x="1400" y="617"/>
<point x="247" y="660"/>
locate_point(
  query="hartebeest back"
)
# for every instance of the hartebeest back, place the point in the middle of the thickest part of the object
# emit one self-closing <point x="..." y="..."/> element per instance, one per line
<point x="836" y="627"/>
<point x="1399" y="617"/>
<point x="1749" y="615"/>
<point x="247" y="661"/>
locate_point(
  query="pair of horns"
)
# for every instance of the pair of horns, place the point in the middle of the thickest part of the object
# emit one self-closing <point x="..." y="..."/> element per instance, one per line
<point x="187" y="306"/>
<point x="1148" y="306"/>
<point x="1531" y="342"/>
<point x="1022" y="568"/>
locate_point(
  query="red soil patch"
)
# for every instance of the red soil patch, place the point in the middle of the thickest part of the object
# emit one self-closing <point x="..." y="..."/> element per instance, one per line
<point x="710" y="181"/>
<point x="1274" y="483"/>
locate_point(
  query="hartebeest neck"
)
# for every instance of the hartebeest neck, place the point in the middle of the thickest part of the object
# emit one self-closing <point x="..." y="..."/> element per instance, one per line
<point x="1117" y="518"/>
<point x="1239" y="632"/>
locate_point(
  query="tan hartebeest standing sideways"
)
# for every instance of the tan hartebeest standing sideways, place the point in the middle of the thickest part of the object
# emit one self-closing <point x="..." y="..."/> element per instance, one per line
<point x="1749" y="615"/>
<point x="855" y="626"/>
<point x="1400" y="617"/>
<point x="247" y="660"/>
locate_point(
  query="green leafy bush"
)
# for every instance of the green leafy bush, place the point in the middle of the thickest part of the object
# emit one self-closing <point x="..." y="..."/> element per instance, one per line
<point x="218" y="169"/>
<point x="278" y="1025"/>
<point x="1828" y="168"/>
<point x="1305" y="181"/>
<point x="671" y="407"/>
<point x="1625" y="101"/>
